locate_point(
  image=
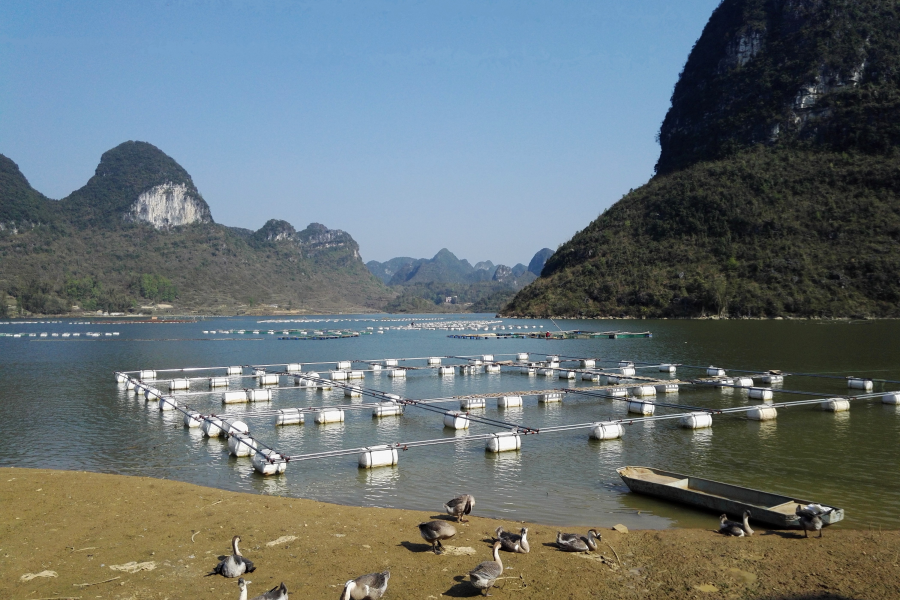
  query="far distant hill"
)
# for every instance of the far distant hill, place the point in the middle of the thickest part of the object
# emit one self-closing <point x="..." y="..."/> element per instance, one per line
<point x="424" y="283"/>
<point x="139" y="234"/>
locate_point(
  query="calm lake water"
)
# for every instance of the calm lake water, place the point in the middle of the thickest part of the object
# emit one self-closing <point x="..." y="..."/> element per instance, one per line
<point x="61" y="408"/>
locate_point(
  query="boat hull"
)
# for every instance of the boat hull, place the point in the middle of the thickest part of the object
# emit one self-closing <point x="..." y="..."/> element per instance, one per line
<point x="772" y="509"/>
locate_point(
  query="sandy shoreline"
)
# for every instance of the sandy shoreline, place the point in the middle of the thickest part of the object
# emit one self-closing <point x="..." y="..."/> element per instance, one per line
<point x="85" y="526"/>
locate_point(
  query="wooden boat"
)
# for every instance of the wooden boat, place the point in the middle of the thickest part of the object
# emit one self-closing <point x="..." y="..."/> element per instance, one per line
<point x="772" y="509"/>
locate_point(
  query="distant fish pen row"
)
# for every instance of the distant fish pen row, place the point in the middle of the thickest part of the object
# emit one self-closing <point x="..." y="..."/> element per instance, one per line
<point x="64" y="334"/>
<point x="575" y="334"/>
<point x="614" y="380"/>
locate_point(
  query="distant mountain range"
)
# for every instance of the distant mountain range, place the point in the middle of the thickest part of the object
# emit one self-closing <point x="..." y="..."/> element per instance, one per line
<point x="425" y="282"/>
<point x="139" y="234"/>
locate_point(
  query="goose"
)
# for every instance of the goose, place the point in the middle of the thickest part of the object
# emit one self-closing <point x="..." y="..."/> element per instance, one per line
<point x="235" y="565"/>
<point x="459" y="506"/>
<point x="727" y="527"/>
<point x="435" y="531"/>
<point x="366" y="587"/>
<point x="514" y="542"/>
<point x="572" y="542"/>
<point x="485" y="574"/>
<point x="809" y="520"/>
<point x="279" y="592"/>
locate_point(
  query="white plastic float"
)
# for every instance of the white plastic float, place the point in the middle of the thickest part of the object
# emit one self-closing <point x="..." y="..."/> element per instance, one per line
<point x="762" y="413"/>
<point x="627" y="371"/>
<point x="667" y="368"/>
<point x="329" y="415"/>
<point x="760" y="393"/>
<point x="471" y="403"/>
<point x="567" y="374"/>
<point x="289" y="416"/>
<point x="179" y="384"/>
<point x="397" y="373"/>
<point x="235" y="397"/>
<point x="356" y="375"/>
<point x="167" y="403"/>
<point x="641" y="407"/>
<point x="590" y="377"/>
<point x="147" y="375"/>
<point x="509" y="401"/>
<point x="345" y="365"/>
<point x="771" y="378"/>
<point x="212" y="427"/>
<point x="893" y="398"/>
<point x="643" y="390"/>
<point x="616" y="392"/>
<point x="268" y="379"/>
<point x="352" y="392"/>
<point x="487" y="357"/>
<point x="387" y="409"/>
<point x="391" y="362"/>
<point x="715" y="372"/>
<point x="240" y="444"/>
<point x="192" y="419"/>
<point x="121" y="377"/>
<point x="456" y="420"/>
<point x="522" y="356"/>
<point x="857" y="383"/>
<point x="835" y="405"/>
<point x="234" y="370"/>
<point x="696" y="420"/>
<point x="667" y="388"/>
<point x="434" y="361"/>
<point x="588" y="363"/>
<point x="259" y="395"/>
<point x="504" y="442"/>
<point x="548" y="372"/>
<point x="215" y="382"/>
<point x="378" y="456"/>
<point x="269" y="462"/>
<point x="339" y="375"/>
<point x="550" y="398"/>
<point x="607" y="430"/>
<point x="743" y="382"/>
<point x="445" y="371"/>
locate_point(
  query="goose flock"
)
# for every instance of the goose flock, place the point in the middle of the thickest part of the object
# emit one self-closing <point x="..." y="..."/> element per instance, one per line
<point x="373" y="586"/>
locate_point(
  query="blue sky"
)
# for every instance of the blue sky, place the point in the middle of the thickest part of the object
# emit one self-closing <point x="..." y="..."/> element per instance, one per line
<point x="492" y="129"/>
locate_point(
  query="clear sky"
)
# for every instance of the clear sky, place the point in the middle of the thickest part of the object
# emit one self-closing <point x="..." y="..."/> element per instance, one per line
<point x="491" y="128"/>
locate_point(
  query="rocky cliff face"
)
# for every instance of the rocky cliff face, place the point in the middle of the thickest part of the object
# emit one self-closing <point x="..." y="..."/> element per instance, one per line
<point x="793" y="72"/>
<point x="168" y="205"/>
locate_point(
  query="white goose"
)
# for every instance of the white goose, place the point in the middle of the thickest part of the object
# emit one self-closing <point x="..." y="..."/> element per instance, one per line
<point x="366" y="587"/>
<point x="279" y="592"/>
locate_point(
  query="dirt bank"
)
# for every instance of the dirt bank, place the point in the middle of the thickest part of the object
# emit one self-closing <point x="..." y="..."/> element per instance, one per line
<point x="86" y="528"/>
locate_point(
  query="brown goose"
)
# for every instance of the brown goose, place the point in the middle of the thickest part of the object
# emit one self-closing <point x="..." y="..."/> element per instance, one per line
<point x="435" y="531"/>
<point x="572" y="542"/>
<point x="809" y="520"/>
<point x="234" y="565"/>
<point x="514" y="542"/>
<point x="485" y="574"/>
<point x="279" y="592"/>
<point x="459" y="506"/>
<point x="366" y="587"/>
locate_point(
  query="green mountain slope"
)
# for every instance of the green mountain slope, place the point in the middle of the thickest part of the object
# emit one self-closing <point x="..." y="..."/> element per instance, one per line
<point x="140" y="234"/>
<point x="778" y="185"/>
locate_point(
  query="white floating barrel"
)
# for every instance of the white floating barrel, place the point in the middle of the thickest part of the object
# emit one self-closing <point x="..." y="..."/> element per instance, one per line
<point x="378" y="456"/>
<point x="356" y="375"/>
<point x="344" y="365"/>
<point x="487" y="357"/>
<point x="590" y="377"/>
<point x="771" y="378"/>
<point x="641" y="407"/>
<point x="696" y="420"/>
<point x="492" y="368"/>
<point x="289" y="416"/>
<point x="446" y="371"/>
<point x="762" y="413"/>
<point x="715" y="372"/>
<point x="567" y="374"/>
<point x="192" y="419"/>
<point x="268" y="379"/>
<point x="259" y="395"/>
<point x="607" y="431"/>
<point x="859" y="384"/>
<point x="522" y="356"/>
<point x="151" y="394"/>
<point x="121" y="377"/>
<point x="235" y="397"/>
<point x="293" y="367"/>
<point x="504" y="442"/>
<point x="269" y="462"/>
<point x="179" y="384"/>
<point x="471" y="403"/>
<point x="167" y="403"/>
<point x="329" y="415"/>
<point x="398" y="373"/>
<point x="760" y="393"/>
<point x="148" y="375"/>
<point x="234" y="370"/>
<point x="553" y="363"/>
<point x="835" y="405"/>
<point x="390" y="362"/>
<point x="616" y="392"/>
<point x="724" y="382"/>
<point x="530" y="371"/>
<point x="667" y="388"/>
<point x="338" y="375"/>
<point x="241" y="444"/>
<point x="387" y="409"/>
<point x="891" y="398"/>
<point x="212" y="427"/>
<point x="627" y="371"/>
<point x="743" y="382"/>
<point x="552" y="358"/>
<point x="509" y="401"/>
<point x="352" y="392"/>
<point x="587" y="363"/>
<point x="548" y="372"/>
<point x="434" y="360"/>
<point x="550" y="398"/>
<point x="456" y="420"/>
<point x="476" y="361"/>
<point x="215" y="382"/>
<point x="643" y="390"/>
<point x="667" y="368"/>
<point x="612" y="379"/>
